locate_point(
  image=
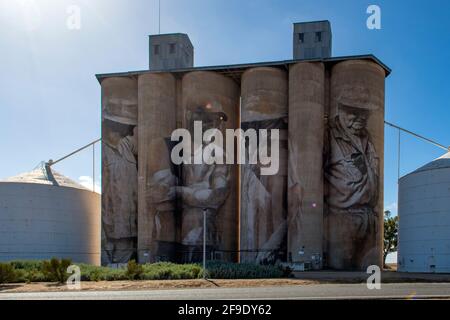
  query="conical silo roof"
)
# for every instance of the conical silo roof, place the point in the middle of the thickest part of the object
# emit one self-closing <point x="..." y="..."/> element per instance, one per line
<point x="43" y="174"/>
<point x="439" y="163"/>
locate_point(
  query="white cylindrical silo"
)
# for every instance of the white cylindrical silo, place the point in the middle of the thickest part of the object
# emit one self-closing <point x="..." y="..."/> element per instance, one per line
<point x="424" y="218"/>
<point x="44" y="215"/>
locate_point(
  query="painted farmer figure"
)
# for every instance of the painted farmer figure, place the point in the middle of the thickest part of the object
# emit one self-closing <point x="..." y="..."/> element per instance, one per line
<point x="119" y="191"/>
<point x="205" y="187"/>
<point x="161" y="200"/>
<point x="352" y="174"/>
<point x="264" y="201"/>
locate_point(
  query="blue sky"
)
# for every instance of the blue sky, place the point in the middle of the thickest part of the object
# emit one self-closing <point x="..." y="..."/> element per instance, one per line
<point x="50" y="99"/>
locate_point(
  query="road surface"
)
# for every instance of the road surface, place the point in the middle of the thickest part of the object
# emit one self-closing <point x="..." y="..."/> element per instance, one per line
<point x="306" y="292"/>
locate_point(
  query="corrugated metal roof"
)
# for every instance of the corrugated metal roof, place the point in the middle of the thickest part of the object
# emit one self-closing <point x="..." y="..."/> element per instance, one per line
<point x="439" y="163"/>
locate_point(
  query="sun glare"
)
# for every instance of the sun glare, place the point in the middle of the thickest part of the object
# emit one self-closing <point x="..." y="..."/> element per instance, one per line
<point x="26" y="12"/>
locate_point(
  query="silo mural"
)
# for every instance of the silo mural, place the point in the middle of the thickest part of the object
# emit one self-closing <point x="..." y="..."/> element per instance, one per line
<point x="212" y="100"/>
<point x="264" y="198"/>
<point x="323" y="205"/>
<point x="353" y="167"/>
<point x="119" y="169"/>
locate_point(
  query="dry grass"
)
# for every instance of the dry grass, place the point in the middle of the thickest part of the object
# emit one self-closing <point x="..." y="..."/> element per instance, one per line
<point x="153" y="284"/>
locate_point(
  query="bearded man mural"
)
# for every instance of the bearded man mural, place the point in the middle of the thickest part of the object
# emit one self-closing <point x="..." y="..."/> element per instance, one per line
<point x="352" y="176"/>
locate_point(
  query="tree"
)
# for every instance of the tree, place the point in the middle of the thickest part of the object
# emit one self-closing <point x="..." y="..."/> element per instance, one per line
<point x="390" y="235"/>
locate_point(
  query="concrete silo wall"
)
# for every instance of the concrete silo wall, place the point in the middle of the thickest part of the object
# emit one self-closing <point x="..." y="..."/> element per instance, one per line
<point x="424" y="224"/>
<point x="305" y="185"/>
<point x="119" y="169"/>
<point x="354" y="165"/>
<point x="52" y="222"/>
<point x="264" y="198"/>
<point x="157" y="177"/>
<point x="213" y="99"/>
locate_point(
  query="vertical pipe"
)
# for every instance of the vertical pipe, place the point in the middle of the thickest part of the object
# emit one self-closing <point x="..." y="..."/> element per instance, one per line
<point x="93" y="167"/>
<point x="159" y="17"/>
<point x="204" y="244"/>
<point x="398" y="156"/>
<point x="239" y="190"/>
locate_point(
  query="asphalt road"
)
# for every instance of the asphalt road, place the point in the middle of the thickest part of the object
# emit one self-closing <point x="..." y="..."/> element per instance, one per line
<point x="306" y="292"/>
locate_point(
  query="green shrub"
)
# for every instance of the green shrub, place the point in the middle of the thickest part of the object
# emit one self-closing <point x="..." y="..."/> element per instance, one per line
<point x="115" y="275"/>
<point x="227" y="270"/>
<point x="27" y="265"/>
<point x="29" y="271"/>
<point x="94" y="273"/>
<point x="134" y="270"/>
<point x="171" y="271"/>
<point x="7" y="273"/>
<point x="56" y="270"/>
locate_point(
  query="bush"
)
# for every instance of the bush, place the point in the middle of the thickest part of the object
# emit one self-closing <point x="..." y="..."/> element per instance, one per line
<point x="56" y="270"/>
<point x="29" y="271"/>
<point x="227" y="270"/>
<point x="7" y="273"/>
<point x="94" y="273"/>
<point x="134" y="270"/>
<point x="27" y="265"/>
<point x="171" y="271"/>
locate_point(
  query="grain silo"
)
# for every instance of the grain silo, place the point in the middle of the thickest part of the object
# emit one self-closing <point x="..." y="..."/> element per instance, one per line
<point x="424" y="218"/>
<point x="44" y="214"/>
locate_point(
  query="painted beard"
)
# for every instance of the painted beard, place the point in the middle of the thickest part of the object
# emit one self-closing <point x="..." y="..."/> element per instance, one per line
<point x="354" y="125"/>
<point x="357" y="127"/>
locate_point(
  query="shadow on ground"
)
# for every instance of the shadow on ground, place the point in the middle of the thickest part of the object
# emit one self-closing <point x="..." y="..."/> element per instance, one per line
<point x="4" y="287"/>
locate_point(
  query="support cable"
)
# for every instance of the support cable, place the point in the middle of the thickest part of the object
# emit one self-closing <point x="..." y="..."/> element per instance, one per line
<point x="93" y="167"/>
<point x="52" y="163"/>
<point x="398" y="155"/>
<point x="419" y="136"/>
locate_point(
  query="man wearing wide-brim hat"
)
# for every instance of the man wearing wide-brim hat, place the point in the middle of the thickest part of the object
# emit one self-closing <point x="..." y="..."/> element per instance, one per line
<point x="352" y="175"/>
<point x="119" y="190"/>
